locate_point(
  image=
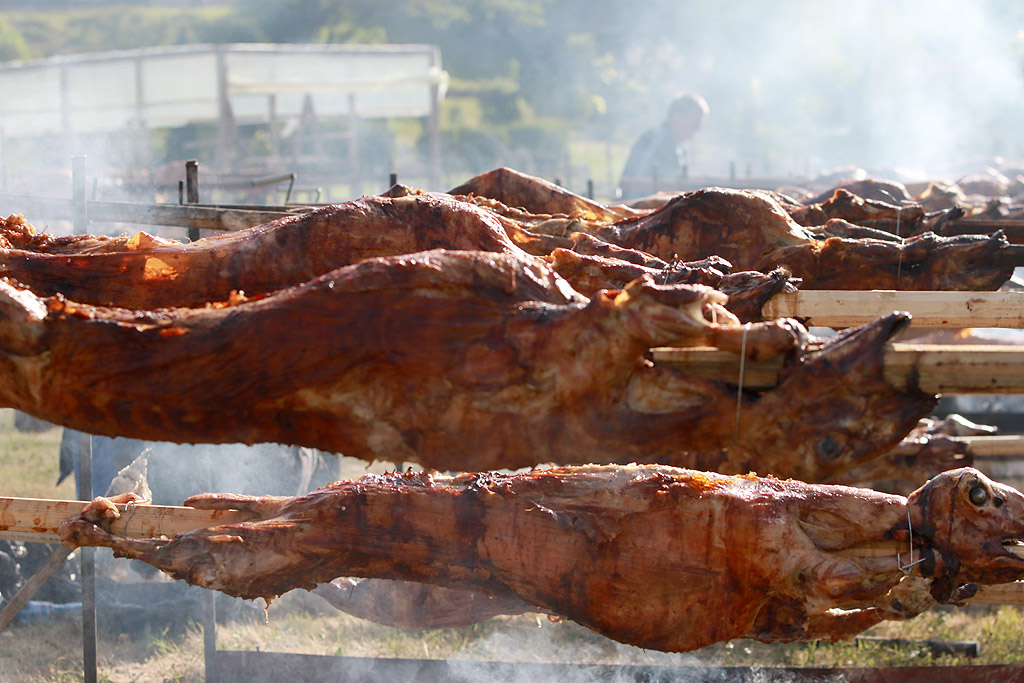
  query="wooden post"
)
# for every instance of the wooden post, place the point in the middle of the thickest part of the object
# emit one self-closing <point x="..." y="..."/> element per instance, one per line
<point x="355" y="170"/>
<point x="192" y="191"/>
<point x="434" y="126"/>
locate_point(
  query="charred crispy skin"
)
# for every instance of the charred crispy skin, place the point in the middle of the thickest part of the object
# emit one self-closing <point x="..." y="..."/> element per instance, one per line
<point x="877" y="211"/>
<point x="499" y="353"/>
<point x="656" y="557"/>
<point x="922" y="262"/>
<point x="753" y="232"/>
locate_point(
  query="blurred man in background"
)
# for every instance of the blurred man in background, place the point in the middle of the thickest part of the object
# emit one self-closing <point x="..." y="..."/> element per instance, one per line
<point x="658" y="158"/>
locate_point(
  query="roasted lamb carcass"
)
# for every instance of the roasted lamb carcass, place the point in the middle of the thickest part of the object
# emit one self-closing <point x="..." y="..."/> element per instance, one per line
<point x="497" y="351"/>
<point x="538" y="196"/>
<point x="933" y="446"/>
<point x="748" y="291"/>
<point x="144" y="272"/>
<point x="753" y="232"/>
<point x="148" y="273"/>
<point x="656" y="557"/>
<point x="889" y="215"/>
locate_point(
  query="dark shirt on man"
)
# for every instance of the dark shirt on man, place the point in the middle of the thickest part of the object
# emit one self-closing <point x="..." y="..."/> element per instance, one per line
<point x="654" y="163"/>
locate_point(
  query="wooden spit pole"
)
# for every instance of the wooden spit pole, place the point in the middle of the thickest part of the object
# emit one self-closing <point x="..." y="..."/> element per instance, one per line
<point x="934" y="368"/>
<point x="38" y="519"/>
<point x="840" y="308"/>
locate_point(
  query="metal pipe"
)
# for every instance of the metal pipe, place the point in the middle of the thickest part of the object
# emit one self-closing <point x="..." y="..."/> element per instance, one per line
<point x="87" y="557"/>
<point x="290" y="177"/>
<point x="80" y="207"/>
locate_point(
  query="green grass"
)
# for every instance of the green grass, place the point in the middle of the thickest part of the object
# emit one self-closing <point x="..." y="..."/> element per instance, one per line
<point x="29" y="462"/>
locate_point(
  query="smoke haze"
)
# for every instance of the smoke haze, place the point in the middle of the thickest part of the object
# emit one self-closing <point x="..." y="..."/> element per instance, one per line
<point x="799" y="87"/>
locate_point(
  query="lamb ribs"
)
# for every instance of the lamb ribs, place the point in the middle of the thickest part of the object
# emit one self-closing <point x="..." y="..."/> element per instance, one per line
<point x="652" y="556"/>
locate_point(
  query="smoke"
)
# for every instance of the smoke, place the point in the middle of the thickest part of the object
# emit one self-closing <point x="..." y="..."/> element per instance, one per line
<point x="533" y="650"/>
<point x="560" y="643"/>
<point x="798" y="87"/>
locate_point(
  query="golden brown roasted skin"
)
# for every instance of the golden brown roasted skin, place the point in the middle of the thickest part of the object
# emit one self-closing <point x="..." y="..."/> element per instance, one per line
<point x="145" y="272"/>
<point x="411" y="605"/>
<point x="656" y="557"/>
<point x="748" y="291"/>
<point x="464" y="361"/>
<point x="148" y="273"/>
<point x="753" y="232"/>
<point x="536" y="195"/>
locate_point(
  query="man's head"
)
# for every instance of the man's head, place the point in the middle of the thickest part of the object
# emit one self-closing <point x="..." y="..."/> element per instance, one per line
<point x="685" y="116"/>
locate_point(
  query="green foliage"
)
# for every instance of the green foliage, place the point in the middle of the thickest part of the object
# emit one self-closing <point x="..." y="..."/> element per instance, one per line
<point x="12" y="44"/>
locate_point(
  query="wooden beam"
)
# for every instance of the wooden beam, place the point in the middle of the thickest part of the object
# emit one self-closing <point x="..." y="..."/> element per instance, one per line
<point x="1013" y="228"/>
<point x="1000" y="594"/>
<point x="838" y="308"/>
<point x="29" y="589"/>
<point x="935" y="368"/>
<point x="37" y="519"/>
<point x="999" y="447"/>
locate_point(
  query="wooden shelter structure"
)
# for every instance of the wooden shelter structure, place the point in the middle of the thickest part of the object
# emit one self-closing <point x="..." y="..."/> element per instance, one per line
<point x="277" y="85"/>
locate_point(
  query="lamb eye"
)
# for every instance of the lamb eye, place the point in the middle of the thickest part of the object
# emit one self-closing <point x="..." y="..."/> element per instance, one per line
<point x="979" y="495"/>
<point x="829" y="448"/>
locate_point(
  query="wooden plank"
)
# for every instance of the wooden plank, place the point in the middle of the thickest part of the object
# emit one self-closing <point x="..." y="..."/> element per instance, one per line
<point x="1000" y="594"/>
<point x="937" y="368"/>
<point x="29" y="589"/>
<point x="999" y="447"/>
<point x="837" y="308"/>
<point x="37" y="519"/>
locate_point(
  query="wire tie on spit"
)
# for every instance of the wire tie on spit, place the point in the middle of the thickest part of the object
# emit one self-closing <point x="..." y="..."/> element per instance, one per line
<point x="739" y="389"/>
<point x="129" y="509"/>
<point x="905" y="568"/>
<point x="899" y="215"/>
<point x="899" y="264"/>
